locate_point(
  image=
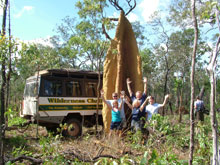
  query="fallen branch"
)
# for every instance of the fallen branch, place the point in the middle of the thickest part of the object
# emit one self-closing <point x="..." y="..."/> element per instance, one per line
<point x="23" y="157"/>
<point x="104" y="156"/>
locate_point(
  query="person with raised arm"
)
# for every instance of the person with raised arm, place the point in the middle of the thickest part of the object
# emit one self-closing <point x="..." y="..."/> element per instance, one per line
<point x="116" y="97"/>
<point x="141" y="97"/>
<point x="152" y="107"/>
<point x="115" y="111"/>
<point x="137" y="109"/>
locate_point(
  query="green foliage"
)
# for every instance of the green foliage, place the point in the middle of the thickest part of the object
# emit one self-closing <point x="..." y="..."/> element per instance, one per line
<point x="36" y="57"/>
<point x="144" y="159"/>
<point x="13" y="117"/>
<point x="166" y="158"/>
<point x="126" y="160"/>
<point x="21" y="151"/>
<point x="57" y="159"/>
<point x="161" y="124"/>
<point x="148" y="62"/>
<point x="84" y="44"/>
<point x="17" y="141"/>
<point x="48" y="144"/>
<point x="135" y="139"/>
<point x="204" y="143"/>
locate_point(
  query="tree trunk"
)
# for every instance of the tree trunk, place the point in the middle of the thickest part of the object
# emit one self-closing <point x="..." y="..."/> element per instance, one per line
<point x="214" y="124"/>
<point x="202" y="91"/>
<point x="180" y="105"/>
<point x="98" y="96"/>
<point x="9" y="65"/>
<point x="165" y="89"/>
<point x="192" y="82"/>
<point x="2" y="119"/>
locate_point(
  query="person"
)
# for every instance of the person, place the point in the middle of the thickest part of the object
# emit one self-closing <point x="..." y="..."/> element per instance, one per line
<point x="139" y="96"/>
<point x="122" y="112"/>
<point x="199" y="108"/>
<point x="115" y="111"/>
<point x="152" y="107"/>
<point x="137" y="108"/>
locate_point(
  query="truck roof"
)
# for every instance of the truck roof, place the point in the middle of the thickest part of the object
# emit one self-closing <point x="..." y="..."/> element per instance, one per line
<point x="66" y="71"/>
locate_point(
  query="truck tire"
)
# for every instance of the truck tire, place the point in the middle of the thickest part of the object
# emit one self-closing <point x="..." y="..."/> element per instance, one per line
<point x="74" y="128"/>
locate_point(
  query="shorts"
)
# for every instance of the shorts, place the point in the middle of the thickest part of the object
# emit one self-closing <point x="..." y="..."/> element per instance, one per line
<point x="199" y="115"/>
<point x="138" y="125"/>
<point x="116" y="125"/>
<point x="135" y="125"/>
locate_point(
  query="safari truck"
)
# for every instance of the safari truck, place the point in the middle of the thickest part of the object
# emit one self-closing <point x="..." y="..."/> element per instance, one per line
<point x="57" y="96"/>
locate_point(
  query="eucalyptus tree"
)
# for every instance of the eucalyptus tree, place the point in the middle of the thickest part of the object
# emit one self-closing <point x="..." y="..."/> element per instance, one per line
<point x="212" y="74"/>
<point x="82" y="38"/>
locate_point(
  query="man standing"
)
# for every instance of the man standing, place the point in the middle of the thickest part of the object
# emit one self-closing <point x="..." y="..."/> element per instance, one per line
<point x="153" y="108"/>
<point x="199" y="107"/>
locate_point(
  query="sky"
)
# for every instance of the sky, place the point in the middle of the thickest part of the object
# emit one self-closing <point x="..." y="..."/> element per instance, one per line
<point x="38" y="19"/>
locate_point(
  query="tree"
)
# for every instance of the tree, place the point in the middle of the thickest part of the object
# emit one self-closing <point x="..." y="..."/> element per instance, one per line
<point x="3" y="85"/>
<point x="83" y="40"/>
<point x="192" y="81"/>
<point x="212" y="69"/>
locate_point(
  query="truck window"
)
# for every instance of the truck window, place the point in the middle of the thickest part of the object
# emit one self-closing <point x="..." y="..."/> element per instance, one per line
<point x="91" y="89"/>
<point x="73" y="88"/>
<point x="30" y="89"/>
<point x="52" y="88"/>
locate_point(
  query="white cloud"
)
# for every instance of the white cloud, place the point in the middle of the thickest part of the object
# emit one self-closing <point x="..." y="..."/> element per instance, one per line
<point x="132" y="17"/>
<point x="28" y="9"/>
<point x="147" y="8"/>
<point x="43" y="41"/>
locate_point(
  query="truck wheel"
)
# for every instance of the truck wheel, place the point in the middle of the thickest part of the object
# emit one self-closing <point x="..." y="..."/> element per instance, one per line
<point x="74" y="128"/>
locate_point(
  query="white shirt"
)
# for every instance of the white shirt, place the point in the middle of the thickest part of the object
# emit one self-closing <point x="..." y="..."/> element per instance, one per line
<point x="122" y="112"/>
<point x="152" y="109"/>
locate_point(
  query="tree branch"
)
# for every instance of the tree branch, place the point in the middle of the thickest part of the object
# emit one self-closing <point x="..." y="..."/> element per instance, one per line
<point x="23" y="157"/>
<point x="105" y="33"/>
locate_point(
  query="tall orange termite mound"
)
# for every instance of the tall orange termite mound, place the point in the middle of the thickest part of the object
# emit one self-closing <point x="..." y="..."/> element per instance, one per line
<point x="122" y="61"/>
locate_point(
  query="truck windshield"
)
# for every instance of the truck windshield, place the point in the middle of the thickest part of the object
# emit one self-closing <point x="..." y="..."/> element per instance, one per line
<point x="31" y="89"/>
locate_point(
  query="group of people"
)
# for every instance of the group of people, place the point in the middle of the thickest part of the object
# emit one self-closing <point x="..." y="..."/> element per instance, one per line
<point x="138" y="105"/>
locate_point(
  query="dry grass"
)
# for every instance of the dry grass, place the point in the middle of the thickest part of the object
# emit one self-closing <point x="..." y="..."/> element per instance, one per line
<point x="90" y="147"/>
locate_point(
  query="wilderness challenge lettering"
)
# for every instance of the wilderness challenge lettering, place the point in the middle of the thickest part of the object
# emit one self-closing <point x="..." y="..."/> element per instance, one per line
<point x="94" y="100"/>
<point x="56" y="100"/>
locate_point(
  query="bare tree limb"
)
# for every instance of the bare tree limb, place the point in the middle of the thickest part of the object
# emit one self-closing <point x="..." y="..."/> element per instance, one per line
<point x="23" y="157"/>
<point x="105" y="33"/>
<point x="115" y="3"/>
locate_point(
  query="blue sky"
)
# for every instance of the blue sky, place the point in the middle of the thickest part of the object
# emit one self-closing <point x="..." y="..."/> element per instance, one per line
<point x="34" y="19"/>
